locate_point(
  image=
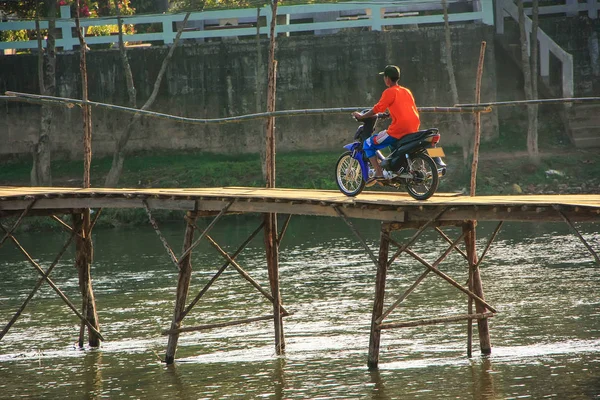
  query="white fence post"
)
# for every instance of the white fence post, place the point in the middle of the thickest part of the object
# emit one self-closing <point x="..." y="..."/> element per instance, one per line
<point x="544" y="58"/>
<point x="592" y="7"/>
<point x="167" y="31"/>
<point x="572" y="8"/>
<point x="65" y="27"/>
<point x="376" y="18"/>
<point x="487" y="11"/>
<point x="500" y="17"/>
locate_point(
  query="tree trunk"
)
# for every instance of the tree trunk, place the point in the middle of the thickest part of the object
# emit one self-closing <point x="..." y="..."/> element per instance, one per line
<point x="41" y="174"/>
<point x="529" y="63"/>
<point x="112" y="179"/>
<point x="260" y="86"/>
<point x="86" y="110"/>
<point x="461" y="126"/>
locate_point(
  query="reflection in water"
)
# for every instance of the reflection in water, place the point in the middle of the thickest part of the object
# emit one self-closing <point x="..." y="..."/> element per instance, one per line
<point x="545" y="337"/>
<point x="483" y="380"/>
<point x="279" y="384"/>
<point x="92" y="366"/>
<point x="378" y="391"/>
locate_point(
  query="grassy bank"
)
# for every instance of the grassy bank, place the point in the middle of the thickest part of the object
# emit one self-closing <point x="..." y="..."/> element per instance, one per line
<point x="560" y="170"/>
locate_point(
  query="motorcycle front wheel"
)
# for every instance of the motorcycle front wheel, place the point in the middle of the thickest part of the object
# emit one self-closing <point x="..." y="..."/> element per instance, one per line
<point x="348" y="175"/>
<point x="425" y="177"/>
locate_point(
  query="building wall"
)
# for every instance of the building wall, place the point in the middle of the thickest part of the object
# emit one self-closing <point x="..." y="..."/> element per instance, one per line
<point x="219" y="79"/>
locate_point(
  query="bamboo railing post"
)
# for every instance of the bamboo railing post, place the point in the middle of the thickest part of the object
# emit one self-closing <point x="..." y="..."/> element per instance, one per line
<point x="477" y="287"/>
<point x="183" y="285"/>
<point x="477" y="121"/>
<point x="380" y="278"/>
<point x="83" y="263"/>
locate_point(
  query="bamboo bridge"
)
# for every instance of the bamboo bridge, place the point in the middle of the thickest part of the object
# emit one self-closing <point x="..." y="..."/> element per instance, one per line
<point x="395" y="211"/>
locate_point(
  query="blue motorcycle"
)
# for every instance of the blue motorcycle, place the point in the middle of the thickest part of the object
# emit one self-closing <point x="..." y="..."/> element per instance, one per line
<point x="414" y="162"/>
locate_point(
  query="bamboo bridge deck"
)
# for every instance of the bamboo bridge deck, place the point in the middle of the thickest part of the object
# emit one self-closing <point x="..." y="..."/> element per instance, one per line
<point x="384" y="206"/>
<point x="394" y="210"/>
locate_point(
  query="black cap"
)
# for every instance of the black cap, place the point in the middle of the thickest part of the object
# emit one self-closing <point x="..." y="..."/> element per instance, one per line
<point x="391" y="71"/>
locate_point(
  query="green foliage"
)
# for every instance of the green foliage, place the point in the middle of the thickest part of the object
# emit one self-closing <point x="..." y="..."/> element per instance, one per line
<point x="13" y="36"/>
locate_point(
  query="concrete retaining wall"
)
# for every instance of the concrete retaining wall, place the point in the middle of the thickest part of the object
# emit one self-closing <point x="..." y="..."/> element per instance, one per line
<point x="218" y="79"/>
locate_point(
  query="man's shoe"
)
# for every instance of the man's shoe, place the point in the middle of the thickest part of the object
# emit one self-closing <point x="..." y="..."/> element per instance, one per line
<point x="376" y="179"/>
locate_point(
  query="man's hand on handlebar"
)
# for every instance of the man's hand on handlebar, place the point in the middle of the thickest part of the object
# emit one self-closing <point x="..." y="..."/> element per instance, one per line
<point x="357" y="115"/>
<point x="368" y="114"/>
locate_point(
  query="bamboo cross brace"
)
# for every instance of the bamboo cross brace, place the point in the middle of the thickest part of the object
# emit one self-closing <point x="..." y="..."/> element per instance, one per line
<point x="17" y="222"/>
<point x="585" y="243"/>
<point x="489" y="243"/>
<point x="52" y="285"/>
<point x="244" y="274"/>
<point x="208" y="228"/>
<point x="217" y="325"/>
<point x="451" y="281"/>
<point x="284" y="229"/>
<point x="66" y="226"/>
<point x="96" y="216"/>
<point x="360" y="238"/>
<point x="440" y="320"/>
<point x="415" y="236"/>
<point x="419" y="279"/>
<point x="220" y="271"/>
<point x="37" y="286"/>
<point x="447" y="239"/>
<point x="160" y="235"/>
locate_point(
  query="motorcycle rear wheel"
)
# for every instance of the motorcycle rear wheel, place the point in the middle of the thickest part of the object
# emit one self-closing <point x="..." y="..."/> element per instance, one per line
<point x="348" y="175"/>
<point x="425" y="177"/>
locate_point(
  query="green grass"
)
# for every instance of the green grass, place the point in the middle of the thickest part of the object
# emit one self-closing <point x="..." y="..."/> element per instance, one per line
<point x="497" y="173"/>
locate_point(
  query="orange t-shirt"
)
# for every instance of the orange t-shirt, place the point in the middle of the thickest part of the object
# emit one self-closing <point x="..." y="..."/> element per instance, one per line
<point x="401" y="103"/>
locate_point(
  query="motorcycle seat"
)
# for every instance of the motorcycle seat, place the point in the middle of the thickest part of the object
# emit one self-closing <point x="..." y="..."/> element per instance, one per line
<point x="415" y="136"/>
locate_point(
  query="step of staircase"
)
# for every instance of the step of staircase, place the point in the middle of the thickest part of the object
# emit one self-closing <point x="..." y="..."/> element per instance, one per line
<point x="584" y="125"/>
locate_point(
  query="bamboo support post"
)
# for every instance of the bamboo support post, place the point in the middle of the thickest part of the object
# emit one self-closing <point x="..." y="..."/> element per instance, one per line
<point x="470" y="311"/>
<point x="272" y="255"/>
<point x="37" y="286"/>
<point x="477" y="287"/>
<point x="220" y="271"/>
<point x="440" y="320"/>
<point x="83" y="263"/>
<point x="382" y="267"/>
<point x="51" y="283"/>
<point x="183" y="285"/>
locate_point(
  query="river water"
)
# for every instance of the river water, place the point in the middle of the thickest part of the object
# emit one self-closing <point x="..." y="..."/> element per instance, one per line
<point x="545" y="339"/>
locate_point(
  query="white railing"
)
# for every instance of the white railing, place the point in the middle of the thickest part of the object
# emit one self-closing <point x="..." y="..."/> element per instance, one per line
<point x="316" y="18"/>
<point x="547" y="46"/>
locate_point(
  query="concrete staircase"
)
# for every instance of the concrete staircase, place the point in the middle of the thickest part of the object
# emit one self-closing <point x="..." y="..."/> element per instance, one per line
<point x="582" y="121"/>
<point x="584" y="125"/>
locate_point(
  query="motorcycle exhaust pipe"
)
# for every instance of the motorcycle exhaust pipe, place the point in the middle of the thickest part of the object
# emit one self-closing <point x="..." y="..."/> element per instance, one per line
<point x="441" y="172"/>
